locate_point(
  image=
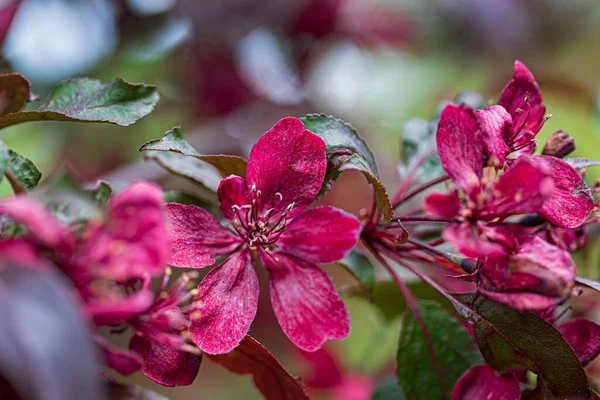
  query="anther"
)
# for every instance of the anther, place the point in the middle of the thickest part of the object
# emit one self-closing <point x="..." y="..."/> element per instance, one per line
<point x="518" y="111"/>
<point x="290" y="207"/>
<point x="168" y="271"/>
<point x="253" y="187"/>
<point x="258" y="193"/>
<point x="526" y="100"/>
<point x="194" y="292"/>
<point x="196" y="315"/>
<point x="279" y="196"/>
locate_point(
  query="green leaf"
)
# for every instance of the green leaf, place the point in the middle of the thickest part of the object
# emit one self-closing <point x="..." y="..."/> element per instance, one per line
<point x="174" y="142"/>
<point x="361" y="268"/>
<point x="418" y="375"/>
<point x="346" y="150"/>
<point x="88" y="100"/>
<point x="185" y="198"/>
<point x="4" y="159"/>
<point x="196" y="170"/>
<point x="68" y="201"/>
<point x="418" y="150"/>
<point x="102" y="193"/>
<point x="388" y="390"/>
<point x="22" y="173"/>
<point x="15" y="92"/>
<point x="508" y="338"/>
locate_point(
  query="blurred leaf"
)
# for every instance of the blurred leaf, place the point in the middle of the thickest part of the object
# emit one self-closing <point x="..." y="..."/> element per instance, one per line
<point x="361" y="268"/>
<point x="68" y="201"/>
<point x="46" y="352"/>
<point x="102" y="193"/>
<point x="174" y="142"/>
<point x="156" y="38"/>
<point x="198" y="171"/>
<point x="184" y="198"/>
<point x="4" y="158"/>
<point x="508" y="339"/>
<point x="132" y="392"/>
<point x="388" y="390"/>
<point x="346" y="150"/>
<point x="269" y="376"/>
<point x="589" y="283"/>
<point x="22" y="173"/>
<point x="87" y="100"/>
<point x="476" y="100"/>
<point x="419" y="375"/>
<point x="418" y="150"/>
<point x="15" y="92"/>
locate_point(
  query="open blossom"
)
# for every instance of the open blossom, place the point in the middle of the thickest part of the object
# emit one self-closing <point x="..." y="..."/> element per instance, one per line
<point x="510" y="127"/>
<point x="104" y="263"/>
<point x="285" y="172"/>
<point x="529" y="274"/>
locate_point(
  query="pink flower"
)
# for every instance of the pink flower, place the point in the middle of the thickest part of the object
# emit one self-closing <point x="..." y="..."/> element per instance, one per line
<point x="285" y="172"/>
<point x="482" y="382"/>
<point x="511" y="127"/>
<point x="583" y="336"/>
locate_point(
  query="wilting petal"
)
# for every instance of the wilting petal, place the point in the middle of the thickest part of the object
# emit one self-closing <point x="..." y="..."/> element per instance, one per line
<point x="559" y="145"/>
<point x="467" y="239"/>
<point x="324" y="371"/>
<point x="232" y="191"/>
<point x="522" y="98"/>
<point x="321" y="235"/>
<point x="305" y="301"/>
<point x="459" y="146"/>
<point x="164" y="364"/>
<point x="537" y="276"/>
<point x="571" y="202"/>
<point x="496" y="129"/>
<point x="225" y="305"/>
<point x="287" y="165"/>
<point x="133" y="241"/>
<point x="568" y="239"/>
<point x="442" y="205"/>
<point x="482" y="382"/>
<point x="197" y="236"/>
<point x="269" y="376"/>
<point x="113" y="312"/>
<point x="583" y="336"/>
<point x="522" y="189"/>
<point x="40" y="222"/>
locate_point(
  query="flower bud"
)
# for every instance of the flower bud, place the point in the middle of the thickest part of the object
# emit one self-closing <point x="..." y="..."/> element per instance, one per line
<point x="559" y="145"/>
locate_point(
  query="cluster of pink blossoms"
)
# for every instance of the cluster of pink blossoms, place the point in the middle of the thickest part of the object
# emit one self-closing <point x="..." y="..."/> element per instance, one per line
<point x="514" y="216"/>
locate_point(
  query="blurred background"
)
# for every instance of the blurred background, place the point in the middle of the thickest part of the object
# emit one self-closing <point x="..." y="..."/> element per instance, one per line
<point x="227" y="70"/>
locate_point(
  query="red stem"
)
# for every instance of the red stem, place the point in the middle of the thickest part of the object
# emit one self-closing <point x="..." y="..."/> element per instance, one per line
<point x="419" y="189"/>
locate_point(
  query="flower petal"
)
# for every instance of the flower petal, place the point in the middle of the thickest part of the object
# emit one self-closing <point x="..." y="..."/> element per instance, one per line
<point x="132" y="243"/>
<point x="164" y="364"/>
<point x="40" y="222"/>
<point x="522" y="189"/>
<point x="123" y="361"/>
<point x="197" y="236"/>
<point x="522" y="98"/>
<point x="571" y="202"/>
<point x="459" y="146"/>
<point x="232" y="191"/>
<point x="305" y="301"/>
<point x="466" y="238"/>
<point x="321" y="235"/>
<point x="482" y="382"/>
<point x="442" y="205"/>
<point x="287" y="165"/>
<point x="537" y="276"/>
<point x="112" y="312"/>
<point x="225" y="305"/>
<point x="496" y="129"/>
<point x="583" y="336"/>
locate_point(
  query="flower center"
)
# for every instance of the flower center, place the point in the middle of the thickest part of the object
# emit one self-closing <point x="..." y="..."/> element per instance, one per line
<point x="256" y="228"/>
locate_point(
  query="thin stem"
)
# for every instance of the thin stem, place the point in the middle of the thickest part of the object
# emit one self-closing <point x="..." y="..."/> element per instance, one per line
<point x="427" y="247"/>
<point x="419" y="189"/>
<point x="411" y="303"/>
<point x="425" y="218"/>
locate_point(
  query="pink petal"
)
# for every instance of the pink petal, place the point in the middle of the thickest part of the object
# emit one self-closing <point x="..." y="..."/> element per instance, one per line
<point x="442" y="205"/>
<point x="324" y="371"/>
<point x="305" y="301"/>
<point x="287" y="165"/>
<point x="321" y="235"/>
<point x="467" y="239"/>
<point x="23" y="252"/>
<point x="122" y="361"/>
<point x="197" y="236"/>
<point x="572" y="202"/>
<point x="459" y="146"/>
<point x="40" y="222"/>
<point x="523" y="86"/>
<point x="164" y="364"/>
<point x="583" y="336"/>
<point x="112" y="312"/>
<point x="537" y="276"/>
<point x="496" y="128"/>
<point x="522" y="189"/>
<point x="232" y="191"/>
<point x="225" y="305"/>
<point x="482" y="382"/>
<point x="132" y="243"/>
